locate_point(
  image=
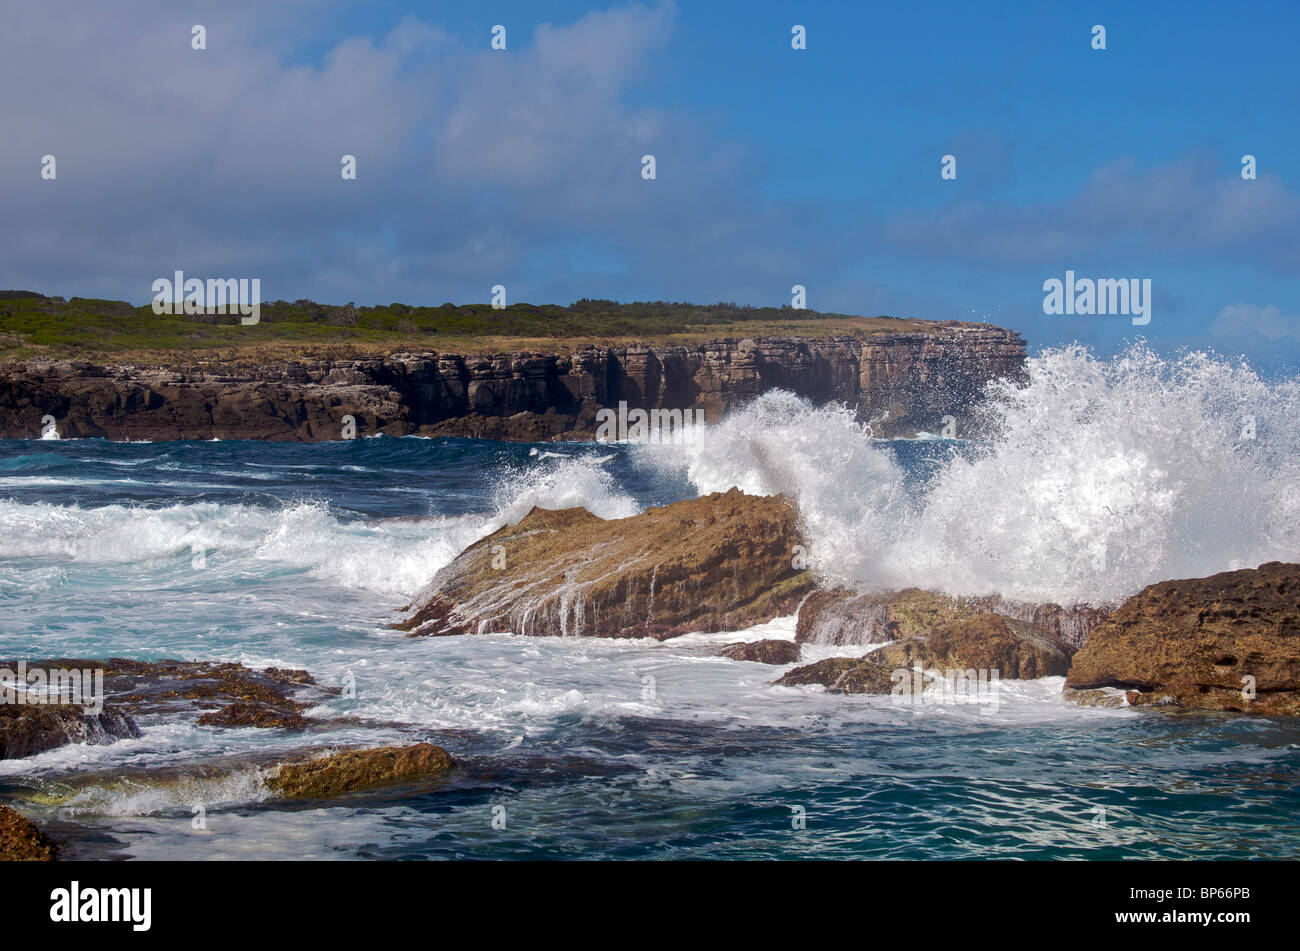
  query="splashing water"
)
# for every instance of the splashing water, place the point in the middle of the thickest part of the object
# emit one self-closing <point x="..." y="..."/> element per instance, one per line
<point x="299" y="555"/>
<point x="1097" y="478"/>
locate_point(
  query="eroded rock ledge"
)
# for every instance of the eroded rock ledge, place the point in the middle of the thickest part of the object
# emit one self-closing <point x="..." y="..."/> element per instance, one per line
<point x="214" y="694"/>
<point x="1227" y="642"/>
<point x="915" y="377"/>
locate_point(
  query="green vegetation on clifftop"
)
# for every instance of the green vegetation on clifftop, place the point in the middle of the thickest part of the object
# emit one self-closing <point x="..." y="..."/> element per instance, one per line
<point x="32" y="325"/>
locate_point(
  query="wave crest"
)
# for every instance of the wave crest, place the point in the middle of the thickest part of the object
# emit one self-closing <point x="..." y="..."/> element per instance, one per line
<point x="1094" y="479"/>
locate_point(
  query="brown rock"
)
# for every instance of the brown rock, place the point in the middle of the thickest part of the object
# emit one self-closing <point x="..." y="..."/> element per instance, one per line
<point x="1191" y="643"/>
<point x="351" y="770"/>
<point x="1096" y="697"/>
<point x="1016" y="650"/>
<point x="843" y="675"/>
<point x="20" y="841"/>
<point x="722" y="562"/>
<point x="251" y="713"/>
<point x="839" y="616"/>
<point x="773" y="651"/>
<point x="27" y="729"/>
<point x="218" y="694"/>
<point x="981" y="642"/>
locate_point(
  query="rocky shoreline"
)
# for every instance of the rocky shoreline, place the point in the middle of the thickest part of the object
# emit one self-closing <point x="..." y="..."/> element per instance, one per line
<point x="909" y="381"/>
<point x="1228" y="643"/>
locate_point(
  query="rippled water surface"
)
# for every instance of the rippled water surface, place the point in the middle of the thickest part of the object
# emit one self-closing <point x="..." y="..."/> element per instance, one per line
<point x="301" y="555"/>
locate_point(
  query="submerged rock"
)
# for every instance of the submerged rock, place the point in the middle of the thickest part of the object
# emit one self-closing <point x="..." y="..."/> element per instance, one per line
<point x="218" y="694"/>
<point x="978" y="642"/>
<point x="253" y="713"/>
<point x="1096" y="697"/>
<point x="840" y="616"/>
<point x="28" y="729"/>
<point x="350" y="770"/>
<point x="868" y="674"/>
<point x="772" y="651"/>
<point x="1203" y="642"/>
<point x="21" y="841"/>
<point x="721" y="562"/>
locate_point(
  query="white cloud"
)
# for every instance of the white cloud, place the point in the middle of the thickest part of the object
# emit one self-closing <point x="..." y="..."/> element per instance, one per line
<point x="1238" y="321"/>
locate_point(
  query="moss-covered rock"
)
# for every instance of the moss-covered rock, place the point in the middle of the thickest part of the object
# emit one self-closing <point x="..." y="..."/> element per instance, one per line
<point x="350" y="770"/>
<point x="21" y="841"/>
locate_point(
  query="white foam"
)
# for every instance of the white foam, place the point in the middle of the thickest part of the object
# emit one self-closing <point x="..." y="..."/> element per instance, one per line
<point x="1102" y="476"/>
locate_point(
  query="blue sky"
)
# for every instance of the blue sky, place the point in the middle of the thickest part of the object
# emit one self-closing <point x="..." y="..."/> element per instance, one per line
<point x="775" y="167"/>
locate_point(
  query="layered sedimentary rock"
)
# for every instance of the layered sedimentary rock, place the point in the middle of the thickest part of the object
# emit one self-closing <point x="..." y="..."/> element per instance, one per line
<point x="1227" y="642"/>
<point x="912" y="380"/>
<point x="717" y="563"/>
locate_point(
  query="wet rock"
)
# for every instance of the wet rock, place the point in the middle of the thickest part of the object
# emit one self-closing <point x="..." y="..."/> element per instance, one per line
<point x="763" y="652"/>
<point x="1097" y="697"/>
<point x="222" y="694"/>
<point x="1203" y="642"/>
<point x="987" y="642"/>
<point x="300" y="678"/>
<point x="218" y="694"/>
<point x="843" y="675"/>
<point x="252" y="713"/>
<point x="1016" y="650"/>
<point x="1070" y="623"/>
<point x="721" y="562"/>
<point x="350" y="770"/>
<point x="840" y="616"/>
<point x="28" y="729"/>
<point x="21" y="841"/>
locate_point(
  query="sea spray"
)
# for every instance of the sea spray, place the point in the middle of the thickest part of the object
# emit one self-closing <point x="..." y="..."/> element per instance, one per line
<point x="1098" y="477"/>
<point x="562" y="483"/>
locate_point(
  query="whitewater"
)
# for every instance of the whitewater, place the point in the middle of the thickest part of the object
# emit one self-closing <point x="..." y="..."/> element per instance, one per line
<point x="1085" y="483"/>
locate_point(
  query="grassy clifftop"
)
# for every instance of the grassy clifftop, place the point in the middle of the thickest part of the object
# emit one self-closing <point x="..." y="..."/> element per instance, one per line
<point x="35" y="326"/>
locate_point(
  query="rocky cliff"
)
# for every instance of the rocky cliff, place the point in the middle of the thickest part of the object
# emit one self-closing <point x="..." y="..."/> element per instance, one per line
<point x="912" y="379"/>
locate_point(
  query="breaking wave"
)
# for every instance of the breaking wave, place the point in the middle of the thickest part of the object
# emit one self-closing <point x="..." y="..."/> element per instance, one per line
<point x="394" y="556"/>
<point x="1094" y="479"/>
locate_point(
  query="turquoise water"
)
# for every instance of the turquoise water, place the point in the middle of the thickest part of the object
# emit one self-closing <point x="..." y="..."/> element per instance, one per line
<point x="300" y="555"/>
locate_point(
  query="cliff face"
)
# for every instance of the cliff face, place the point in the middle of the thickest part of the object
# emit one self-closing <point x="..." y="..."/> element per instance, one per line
<point x="916" y="378"/>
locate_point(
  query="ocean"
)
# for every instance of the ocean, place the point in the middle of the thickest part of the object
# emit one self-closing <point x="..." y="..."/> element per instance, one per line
<point x="1097" y="478"/>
